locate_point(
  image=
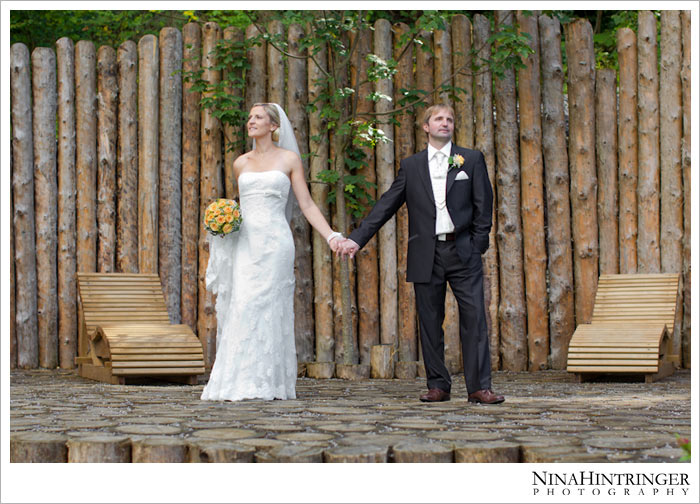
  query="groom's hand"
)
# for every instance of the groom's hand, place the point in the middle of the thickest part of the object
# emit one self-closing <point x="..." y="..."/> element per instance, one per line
<point x="348" y="248"/>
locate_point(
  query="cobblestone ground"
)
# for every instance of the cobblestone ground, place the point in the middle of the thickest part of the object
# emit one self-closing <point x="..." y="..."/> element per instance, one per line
<point x="547" y="417"/>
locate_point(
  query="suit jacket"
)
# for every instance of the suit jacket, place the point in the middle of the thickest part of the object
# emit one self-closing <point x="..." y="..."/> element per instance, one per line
<point x="469" y="202"/>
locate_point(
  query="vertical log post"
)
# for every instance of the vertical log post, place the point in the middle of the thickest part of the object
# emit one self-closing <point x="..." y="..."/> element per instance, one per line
<point x="606" y="161"/>
<point x="685" y="165"/>
<point x="170" y="169"/>
<point x="627" y="148"/>
<point x="581" y="58"/>
<point x="232" y="149"/>
<point x="255" y="76"/>
<point x="148" y="154"/>
<point x="211" y="187"/>
<point x="13" y="305"/>
<point x="532" y="194"/>
<point x="648" y="253"/>
<point x="670" y="135"/>
<point x="443" y="71"/>
<point x="404" y="146"/>
<point x="388" y="300"/>
<point x="275" y="66"/>
<point x="509" y="236"/>
<point x="562" y="322"/>
<point x="366" y="259"/>
<point x="23" y="194"/>
<point x="191" y="119"/>
<point x="464" y="78"/>
<point x="344" y="288"/>
<point x="322" y="258"/>
<point x="296" y="100"/>
<point x="483" y="113"/>
<point x="45" y="201"/>
<point x="442" y="44"/>
<point x="67" y="291"/>
<point x="127" y="160"/>
<point x="107" y="96"/>
<point x="86" y="161"/>
<point x="425" y="82"/>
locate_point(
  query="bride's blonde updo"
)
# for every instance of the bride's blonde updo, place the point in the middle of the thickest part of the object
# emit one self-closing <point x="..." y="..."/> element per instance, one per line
<point x="274" y="116"/>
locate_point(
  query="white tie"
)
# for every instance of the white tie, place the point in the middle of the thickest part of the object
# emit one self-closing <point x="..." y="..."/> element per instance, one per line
<point x="440" y="165"/>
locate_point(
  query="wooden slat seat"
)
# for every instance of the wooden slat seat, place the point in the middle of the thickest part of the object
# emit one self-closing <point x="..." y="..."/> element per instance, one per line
<point x="633" y="318"/>
<point x="125" y="331"/>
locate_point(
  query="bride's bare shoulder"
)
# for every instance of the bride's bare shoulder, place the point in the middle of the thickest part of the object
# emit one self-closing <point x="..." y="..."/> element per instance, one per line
<point x="242" y="159"/>
<point x="289" y="156"/>
<point x="240" y="162"/>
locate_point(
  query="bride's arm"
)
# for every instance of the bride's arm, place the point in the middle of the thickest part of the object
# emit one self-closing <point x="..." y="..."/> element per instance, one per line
<point x="306" y="203"/>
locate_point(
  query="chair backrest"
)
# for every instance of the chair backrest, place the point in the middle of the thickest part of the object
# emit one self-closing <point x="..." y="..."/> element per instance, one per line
<point x="109" y="298"/>
<point x="637" y="298"/>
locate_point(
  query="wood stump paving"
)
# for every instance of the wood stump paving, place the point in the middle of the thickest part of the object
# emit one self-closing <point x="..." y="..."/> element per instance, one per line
<point x="38" y="447"/>
<point x="218" y="451"/>
<point x="491" y="451"/>
<point x="99" y="448"/>
<point x="361" y="453"/>
<point x="547" y="417"/>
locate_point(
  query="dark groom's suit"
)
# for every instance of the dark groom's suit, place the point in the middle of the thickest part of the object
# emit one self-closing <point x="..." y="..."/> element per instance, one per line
<point x="432" y="263"/>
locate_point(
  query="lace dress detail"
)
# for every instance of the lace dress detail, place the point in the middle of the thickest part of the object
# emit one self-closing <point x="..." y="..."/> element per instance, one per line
<point x="252" y="274"/>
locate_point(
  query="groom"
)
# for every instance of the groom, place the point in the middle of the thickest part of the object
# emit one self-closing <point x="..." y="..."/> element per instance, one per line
<point x="447" y="192"/>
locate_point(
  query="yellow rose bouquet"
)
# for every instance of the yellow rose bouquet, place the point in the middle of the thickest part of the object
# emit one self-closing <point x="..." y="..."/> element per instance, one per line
<point x="222" y="216"/>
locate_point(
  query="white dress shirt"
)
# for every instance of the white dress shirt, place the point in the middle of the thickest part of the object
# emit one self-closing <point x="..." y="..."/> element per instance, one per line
<point x="437" y="162"/>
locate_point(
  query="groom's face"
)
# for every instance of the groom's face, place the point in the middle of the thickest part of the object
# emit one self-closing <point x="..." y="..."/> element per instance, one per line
<point x="441" y="125"/>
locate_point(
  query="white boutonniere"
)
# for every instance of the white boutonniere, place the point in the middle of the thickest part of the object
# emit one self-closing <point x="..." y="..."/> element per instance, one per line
<point x="455" y="161"/>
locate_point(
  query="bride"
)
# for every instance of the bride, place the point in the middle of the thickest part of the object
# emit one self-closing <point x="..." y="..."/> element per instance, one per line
<point x="252" y="271"/>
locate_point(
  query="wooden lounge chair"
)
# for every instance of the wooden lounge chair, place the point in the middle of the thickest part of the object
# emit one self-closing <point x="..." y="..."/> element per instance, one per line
<point x="630" y="332"/>
<point x="124" y="331"/>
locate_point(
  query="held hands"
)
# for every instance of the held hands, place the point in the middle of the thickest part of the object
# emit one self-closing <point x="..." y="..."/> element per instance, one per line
<point x="347" y="248"/>
<point x="341" y="245"/>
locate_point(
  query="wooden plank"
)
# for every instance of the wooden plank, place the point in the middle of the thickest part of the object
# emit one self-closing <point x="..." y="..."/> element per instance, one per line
<point x="98" y="373"/>
<point x="159" y="371"/>
<point x="122" y="348"/>
<point x="593" y="348"/>
<point x="156" y="364"/>
<point x="144" y="328"/>
<point x="592" y="354"/>
<point x="607" y="362"/>
<point x="140" y="357"/>
<point x="123" y="352"/>
<point x="612" y="369"/>
<point x="624" y="344"/>
<point x="123" y="296"/>
<point x="123" y="282"/>
<point x="159" y="339"/>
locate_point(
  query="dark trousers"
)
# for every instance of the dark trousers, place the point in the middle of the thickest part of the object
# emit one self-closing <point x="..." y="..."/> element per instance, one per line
<point x="466" y="282"/>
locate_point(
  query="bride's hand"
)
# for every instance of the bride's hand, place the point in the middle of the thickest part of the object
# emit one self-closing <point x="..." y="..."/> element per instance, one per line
<point x="336" y="243"/>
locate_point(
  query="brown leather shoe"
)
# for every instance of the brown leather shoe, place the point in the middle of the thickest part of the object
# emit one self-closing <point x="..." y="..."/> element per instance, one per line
<point x="485" y="396"/>
<point x="435" y="395"/>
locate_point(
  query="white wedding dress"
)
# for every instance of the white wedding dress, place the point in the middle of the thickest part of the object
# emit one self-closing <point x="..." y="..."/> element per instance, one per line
<point x="252" y="273"/>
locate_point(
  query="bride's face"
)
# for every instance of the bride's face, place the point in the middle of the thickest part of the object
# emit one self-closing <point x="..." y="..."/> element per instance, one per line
<point x="259" y="123"/>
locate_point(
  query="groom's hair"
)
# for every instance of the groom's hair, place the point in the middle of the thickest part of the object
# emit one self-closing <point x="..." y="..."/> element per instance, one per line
<point x="434" y="108"/>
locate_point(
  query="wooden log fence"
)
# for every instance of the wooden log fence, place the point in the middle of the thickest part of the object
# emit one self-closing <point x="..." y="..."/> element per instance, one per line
<point x="484" y="142"/>
<point x="685" y="166"/>
<point x="122" y="182"/>
<point x="66" y="261"/>
<point x="584" y="220"/>
<point x="509" y="235"/>
<point x="532" y="193"/>
<point x="45" y="201"/>
<point x="556" y="163"/>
